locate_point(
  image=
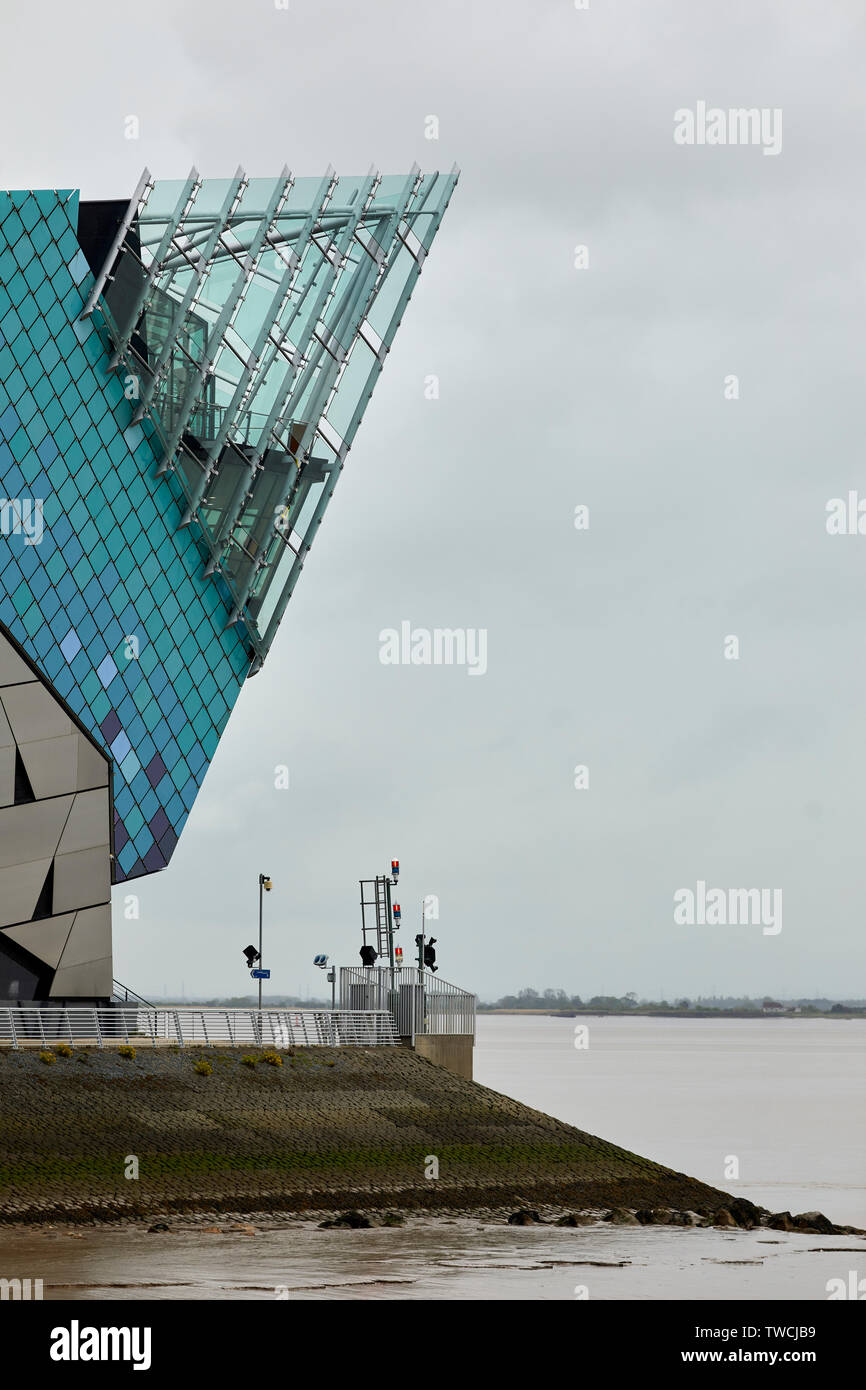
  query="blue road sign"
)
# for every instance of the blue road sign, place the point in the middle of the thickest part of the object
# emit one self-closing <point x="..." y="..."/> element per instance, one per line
<point x="261" y="974"/>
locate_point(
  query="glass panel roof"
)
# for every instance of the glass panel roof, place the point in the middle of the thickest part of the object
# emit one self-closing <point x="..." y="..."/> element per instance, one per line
<point x="239" y="302"/>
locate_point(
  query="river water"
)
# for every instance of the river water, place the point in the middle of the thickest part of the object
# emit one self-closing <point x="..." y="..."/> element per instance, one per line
<point x="782" y="1099"/>
<point x="786" y="1098"/>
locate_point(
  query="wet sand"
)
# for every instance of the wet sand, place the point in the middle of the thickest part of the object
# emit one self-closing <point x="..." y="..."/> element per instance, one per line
<point x="439" y="1258"/>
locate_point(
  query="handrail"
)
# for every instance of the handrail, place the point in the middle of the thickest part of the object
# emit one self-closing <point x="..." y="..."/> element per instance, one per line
<point x="276" y="1028"/>
<point x="128" y="994"/>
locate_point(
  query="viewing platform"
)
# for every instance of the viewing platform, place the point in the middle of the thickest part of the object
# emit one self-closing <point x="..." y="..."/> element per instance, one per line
<point x="431" y="1015"/>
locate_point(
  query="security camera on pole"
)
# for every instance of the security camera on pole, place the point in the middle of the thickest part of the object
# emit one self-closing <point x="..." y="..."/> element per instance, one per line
<point x="321" y="961"/>
<point x="265" y="886"/>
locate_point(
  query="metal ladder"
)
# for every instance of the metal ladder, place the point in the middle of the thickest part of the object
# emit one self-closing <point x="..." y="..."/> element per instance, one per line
<point x="375" y="911"/>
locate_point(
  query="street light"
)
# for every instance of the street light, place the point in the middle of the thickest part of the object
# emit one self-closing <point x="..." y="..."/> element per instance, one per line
<point x="265" y="886"/>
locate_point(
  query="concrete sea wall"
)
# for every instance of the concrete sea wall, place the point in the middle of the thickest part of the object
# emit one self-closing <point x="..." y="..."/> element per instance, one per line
<point x="316" y="1129"/>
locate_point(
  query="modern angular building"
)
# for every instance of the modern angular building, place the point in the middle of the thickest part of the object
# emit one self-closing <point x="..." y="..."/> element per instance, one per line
<point x="181" y="378"/>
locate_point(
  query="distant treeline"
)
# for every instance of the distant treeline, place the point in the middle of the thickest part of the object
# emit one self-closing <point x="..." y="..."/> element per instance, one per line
<point x="558" y="999"/>
<point x="247" y="1001"/>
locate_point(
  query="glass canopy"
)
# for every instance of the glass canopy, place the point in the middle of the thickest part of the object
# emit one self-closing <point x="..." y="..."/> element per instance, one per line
<point x="256" y="315"/>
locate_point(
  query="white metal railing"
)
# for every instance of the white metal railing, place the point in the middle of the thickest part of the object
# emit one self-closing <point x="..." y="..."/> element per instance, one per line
<point x="269" y="1028"/>
<point x="419" y="1001"/>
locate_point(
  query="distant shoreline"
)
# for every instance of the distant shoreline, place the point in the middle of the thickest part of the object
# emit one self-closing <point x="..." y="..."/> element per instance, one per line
<point x="671" y="1013"/>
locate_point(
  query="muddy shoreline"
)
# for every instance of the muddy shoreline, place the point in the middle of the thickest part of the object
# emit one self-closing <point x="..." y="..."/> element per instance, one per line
<point x="744" y="1217"/>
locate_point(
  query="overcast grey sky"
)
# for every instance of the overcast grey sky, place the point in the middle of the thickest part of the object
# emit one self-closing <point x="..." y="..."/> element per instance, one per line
<point x="559" y="386"/>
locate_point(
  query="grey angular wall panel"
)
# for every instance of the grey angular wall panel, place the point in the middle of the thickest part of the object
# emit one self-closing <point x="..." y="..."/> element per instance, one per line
<point x="91" y="766"/>
<point x="13" y="667"/>
<point x="55" y="843"/>
<point x="92" y="980"/>
<point x="33" y="712"/>
<point x="89" y="938"/>
<point x="45" y="940"/>
<point x="87" y="826"/>
<point x="51" y="764"/>
<point x="81" y="879"/>
<point x="32" y="831"/>
<point x="20" y="886"/>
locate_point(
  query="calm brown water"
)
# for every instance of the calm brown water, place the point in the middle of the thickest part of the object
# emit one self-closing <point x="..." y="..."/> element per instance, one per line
<point x="785" y="1097"/>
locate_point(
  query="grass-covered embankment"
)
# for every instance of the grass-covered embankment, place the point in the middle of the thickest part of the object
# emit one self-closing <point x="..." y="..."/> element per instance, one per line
<point x="311" y="1129"/>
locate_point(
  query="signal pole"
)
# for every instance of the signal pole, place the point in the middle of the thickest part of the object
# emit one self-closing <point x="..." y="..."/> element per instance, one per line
<point x="387" y="914"/>
<point x="420" y="943"/>
<point x="386" y="883"/>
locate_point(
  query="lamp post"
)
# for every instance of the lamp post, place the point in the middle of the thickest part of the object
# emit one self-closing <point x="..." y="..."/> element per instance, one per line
<point x="265" y="886"/>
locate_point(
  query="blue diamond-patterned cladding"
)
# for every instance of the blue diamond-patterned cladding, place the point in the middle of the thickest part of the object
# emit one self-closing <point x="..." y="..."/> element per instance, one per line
<point x="111" y="602"/>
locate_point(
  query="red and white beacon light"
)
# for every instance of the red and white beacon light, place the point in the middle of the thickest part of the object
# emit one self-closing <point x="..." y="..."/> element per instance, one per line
<point x="397" y="915"/>
<point x="395" y="869"/>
